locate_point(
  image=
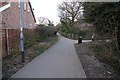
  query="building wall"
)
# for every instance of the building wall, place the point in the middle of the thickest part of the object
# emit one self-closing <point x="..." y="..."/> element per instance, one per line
<point x="11" y="25"/>
<point x="28" y="21"/>
<point x="10" y="16"/>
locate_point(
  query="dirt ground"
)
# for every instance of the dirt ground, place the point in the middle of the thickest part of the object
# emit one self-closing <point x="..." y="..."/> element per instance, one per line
<point x="93" y="68"/>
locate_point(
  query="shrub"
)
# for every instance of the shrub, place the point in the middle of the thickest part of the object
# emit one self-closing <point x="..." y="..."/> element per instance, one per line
<point x="31" y="36"/>
<point x="107" y="53"/>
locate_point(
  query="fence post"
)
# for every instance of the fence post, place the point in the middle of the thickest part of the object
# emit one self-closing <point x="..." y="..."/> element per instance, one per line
<point x="72" y="35"/>
<point x="76" y="37"/>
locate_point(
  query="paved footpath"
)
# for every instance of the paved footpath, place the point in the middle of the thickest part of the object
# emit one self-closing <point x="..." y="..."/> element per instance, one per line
<point x="59" y="61"/>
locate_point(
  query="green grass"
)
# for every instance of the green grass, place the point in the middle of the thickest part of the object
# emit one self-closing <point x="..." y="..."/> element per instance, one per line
<point x="49" y="41"/>
<point x="41" y="48"/>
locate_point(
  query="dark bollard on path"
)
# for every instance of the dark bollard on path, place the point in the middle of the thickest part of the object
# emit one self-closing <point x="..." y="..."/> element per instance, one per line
<point x="80" y="40"/>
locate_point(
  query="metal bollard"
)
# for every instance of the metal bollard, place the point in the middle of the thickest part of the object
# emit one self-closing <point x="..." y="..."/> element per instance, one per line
<point x="22" y="46"/>
<point x="93" y="39"/>
<point x="80" y="39"/>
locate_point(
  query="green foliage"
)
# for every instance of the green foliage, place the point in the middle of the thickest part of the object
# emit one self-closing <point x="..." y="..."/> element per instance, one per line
<point x="50" y="24"/>
<point x="75" y="31"/>
<point x="47" y="42"/>
<point x="46" y="31"/>
<point x="104" y="16"/>
<point x="63" y="28"/>
<point x="41" y="25"/>
<point x="72" y="30"/>
<point x="68" y="35"/>
<point x="106" y="19"/>
<point x="41" y="48"/>
<point x="30" y="37"/>
<point x="36" y="35"/>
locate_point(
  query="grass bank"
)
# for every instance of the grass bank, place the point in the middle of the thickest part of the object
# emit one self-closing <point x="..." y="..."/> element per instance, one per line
<point x="107" y="53"/>
<point x="68" y="35"/>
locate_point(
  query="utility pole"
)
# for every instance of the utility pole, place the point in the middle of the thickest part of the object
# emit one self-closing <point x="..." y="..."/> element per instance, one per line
<point x="21" y="33"/>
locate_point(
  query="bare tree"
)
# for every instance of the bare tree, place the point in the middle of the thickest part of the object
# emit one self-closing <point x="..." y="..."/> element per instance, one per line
<point x="45" y="21"/>
<point x="70" y="11"/>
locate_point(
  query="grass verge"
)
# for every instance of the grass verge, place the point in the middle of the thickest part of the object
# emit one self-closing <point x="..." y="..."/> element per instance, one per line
<point x="11" y="64"/>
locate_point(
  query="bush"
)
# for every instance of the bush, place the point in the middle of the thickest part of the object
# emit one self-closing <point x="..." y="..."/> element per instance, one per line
<point x="38" y="34"/>
<point x="107" y="53"/>
<point x="46" y="31"/>
<point x="30" y="37"/>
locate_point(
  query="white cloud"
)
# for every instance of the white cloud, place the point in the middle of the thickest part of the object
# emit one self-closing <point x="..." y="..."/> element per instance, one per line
<point x="46" y="8"/>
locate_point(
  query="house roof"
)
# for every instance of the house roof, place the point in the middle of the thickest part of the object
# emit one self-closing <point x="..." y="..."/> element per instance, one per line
<point x="3" y="3"/>
<point x="32" y="10"/>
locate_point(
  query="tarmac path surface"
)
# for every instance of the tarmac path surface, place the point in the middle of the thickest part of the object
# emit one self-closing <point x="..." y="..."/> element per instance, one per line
<point x="59" y="61"/>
